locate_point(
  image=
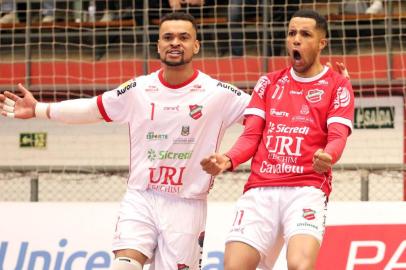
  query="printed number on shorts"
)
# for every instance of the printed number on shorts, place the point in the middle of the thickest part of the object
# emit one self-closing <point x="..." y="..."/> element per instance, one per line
<point x="238" y="217"/>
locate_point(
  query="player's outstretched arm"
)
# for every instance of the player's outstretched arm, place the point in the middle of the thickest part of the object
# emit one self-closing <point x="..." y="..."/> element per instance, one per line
<point x="76" y="111"/>
<point x="216" y="164"/>
<point x="22" y="107"/>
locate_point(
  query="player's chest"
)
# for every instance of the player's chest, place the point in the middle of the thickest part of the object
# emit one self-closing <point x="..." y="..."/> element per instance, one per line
<point x="291" y="99"/>
<point x="180" y="108"/>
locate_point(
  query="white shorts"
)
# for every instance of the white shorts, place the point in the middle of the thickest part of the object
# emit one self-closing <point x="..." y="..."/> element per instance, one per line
<point x="168" y="230"/>
<point x="268" y="216"/>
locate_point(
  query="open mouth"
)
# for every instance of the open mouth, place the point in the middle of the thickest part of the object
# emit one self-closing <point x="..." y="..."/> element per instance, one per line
<point x="296" y="55"/>
<point x="175" y="52"/>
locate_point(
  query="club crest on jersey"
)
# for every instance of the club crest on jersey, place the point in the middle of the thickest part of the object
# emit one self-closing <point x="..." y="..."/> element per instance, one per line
<point x="185" y="131"/>
<point x="195" y="111"/>
<point x="309" y="214"/>
<point x="304" y="110"/>
<point x="314" y="95"/>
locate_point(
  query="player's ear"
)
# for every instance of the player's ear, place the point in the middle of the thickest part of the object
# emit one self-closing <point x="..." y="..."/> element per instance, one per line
<point x="323" y="43"/>
<point x="196" y="48"/>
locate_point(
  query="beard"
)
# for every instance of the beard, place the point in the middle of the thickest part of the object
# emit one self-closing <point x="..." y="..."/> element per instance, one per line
<point x="181" y="62"/>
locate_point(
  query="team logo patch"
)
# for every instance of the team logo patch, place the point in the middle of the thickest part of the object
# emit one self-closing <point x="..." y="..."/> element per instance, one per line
<point x="277" y="113"/>
<point x="314" y="95"/>
<point x="343" y="98"/>
<point x="195" y="111"/>
<point x="152" y="136"/>
<point x="185" y="131"/>
<point x="182" y="266"/>
<point x="304" y="110"/>
<point x="309" y="214"/>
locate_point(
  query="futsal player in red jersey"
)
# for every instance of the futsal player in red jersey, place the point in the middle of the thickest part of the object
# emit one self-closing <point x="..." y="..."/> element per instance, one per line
<point x="296" y="128"/>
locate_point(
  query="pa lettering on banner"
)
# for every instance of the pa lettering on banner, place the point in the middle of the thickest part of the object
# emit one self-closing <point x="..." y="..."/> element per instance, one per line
<point x="363" y="247"/>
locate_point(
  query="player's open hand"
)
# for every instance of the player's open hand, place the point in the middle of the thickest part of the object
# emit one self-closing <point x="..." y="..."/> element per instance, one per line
<point x="22" y="107"/>
<point x="341" y="68"/>
<point x="322" y="161"/>
<point x="215" y="164"/>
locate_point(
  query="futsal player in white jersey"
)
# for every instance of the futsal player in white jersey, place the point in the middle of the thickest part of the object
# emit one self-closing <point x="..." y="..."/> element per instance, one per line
<point x="176" y="116"/>
<point x="296" y="128"/>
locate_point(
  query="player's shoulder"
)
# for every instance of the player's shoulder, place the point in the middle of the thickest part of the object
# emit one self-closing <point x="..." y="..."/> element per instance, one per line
<point x="336" y="77"/>
<point x="142" y="80"/>
<point x="229" y="88"/>
<point x="220" y="86"/>
<point x="277" y="74"/>
<point x="265" y="80"/>
<point x="126" y="87"/>
<point x="274" y="76"/>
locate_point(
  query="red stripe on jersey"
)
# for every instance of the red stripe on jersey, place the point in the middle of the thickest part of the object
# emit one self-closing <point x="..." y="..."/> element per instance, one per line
<point x="101" y="109"/>
<point x="165" y="83"/>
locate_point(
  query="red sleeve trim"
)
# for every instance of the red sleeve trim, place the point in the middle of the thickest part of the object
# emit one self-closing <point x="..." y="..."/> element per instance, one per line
<point x="101" y="109"/>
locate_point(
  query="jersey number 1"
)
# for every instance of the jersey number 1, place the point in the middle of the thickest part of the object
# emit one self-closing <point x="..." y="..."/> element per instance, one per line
<point x="152" y="110"/>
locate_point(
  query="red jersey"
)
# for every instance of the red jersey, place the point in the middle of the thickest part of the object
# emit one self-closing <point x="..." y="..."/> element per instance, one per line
<point x="297" y="112"/>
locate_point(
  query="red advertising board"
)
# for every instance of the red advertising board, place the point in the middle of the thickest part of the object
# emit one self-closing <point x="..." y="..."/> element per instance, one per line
<point x="363" y="247"/>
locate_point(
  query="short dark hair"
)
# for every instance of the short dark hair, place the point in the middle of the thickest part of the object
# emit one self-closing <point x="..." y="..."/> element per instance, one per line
<point x="179" y="16"/>
<point x="321" y="22"/>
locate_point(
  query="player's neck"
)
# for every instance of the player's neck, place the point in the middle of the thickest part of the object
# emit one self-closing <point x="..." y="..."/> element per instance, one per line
<point x="314" y="70"/>
<point x="176" y="76"/>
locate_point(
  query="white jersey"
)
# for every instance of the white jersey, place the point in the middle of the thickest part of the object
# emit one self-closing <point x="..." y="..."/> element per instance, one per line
<point x="172" y="128"/>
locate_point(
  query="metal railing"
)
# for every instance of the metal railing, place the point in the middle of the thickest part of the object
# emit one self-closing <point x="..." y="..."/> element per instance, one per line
<point x="78" y="183"/>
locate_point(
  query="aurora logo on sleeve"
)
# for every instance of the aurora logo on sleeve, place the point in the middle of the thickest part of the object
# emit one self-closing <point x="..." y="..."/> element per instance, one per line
<point x="125" y="87"/>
